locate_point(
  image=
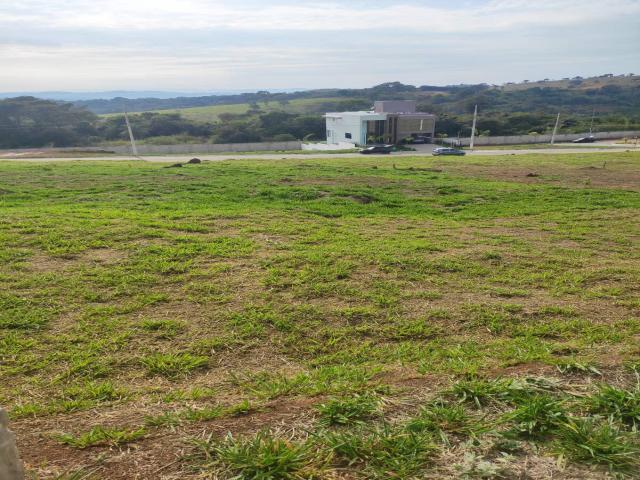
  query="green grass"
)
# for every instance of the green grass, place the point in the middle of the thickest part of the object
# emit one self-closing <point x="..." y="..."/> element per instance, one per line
<point x="173" y="365"/>
<point x="445" y="420"/>
<point x="537" y="415"/>
<point x="262" y="457"/>
<point x="200" y="414"/>
<point x="101" y="435"/>
<point x="482" y="392"/>
<point x="616" y="403"/>
<point x="542" y="146"/>
<point x="602" y="443"/>
<point x="350" y="410"/>
<point x="382" y="452"/>
<point x="236" y="295"/>
<point x="163" y="328"/>
<point x="212" y="113"/>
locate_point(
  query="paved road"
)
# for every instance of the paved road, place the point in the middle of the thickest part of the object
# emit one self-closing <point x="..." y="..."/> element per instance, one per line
<point x="423" y="150"/>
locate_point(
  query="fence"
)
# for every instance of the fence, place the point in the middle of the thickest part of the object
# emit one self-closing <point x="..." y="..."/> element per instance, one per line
<point x="208" y="148"/>
<point x="181" y="148"/>
<point x="530" y="139"/>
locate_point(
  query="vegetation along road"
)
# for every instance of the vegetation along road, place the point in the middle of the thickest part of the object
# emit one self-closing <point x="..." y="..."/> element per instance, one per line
<point x="330" y="318"/>
<point x="41" y="156"/>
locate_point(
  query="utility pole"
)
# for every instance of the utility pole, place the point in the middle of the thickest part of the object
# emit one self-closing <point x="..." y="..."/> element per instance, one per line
<point x="473" y="127"/>
<point x="555" y="130"/>
<point x="134" y="149"/>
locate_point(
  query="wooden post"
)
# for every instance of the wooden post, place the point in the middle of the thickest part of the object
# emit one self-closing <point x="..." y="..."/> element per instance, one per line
<point x="134" y="149"/>
<point x="555" y="130"/>
<point x="473" y="127"/>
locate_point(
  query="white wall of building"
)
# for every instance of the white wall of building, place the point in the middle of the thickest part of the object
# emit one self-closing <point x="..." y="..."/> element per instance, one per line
<point x="341" y="126"/>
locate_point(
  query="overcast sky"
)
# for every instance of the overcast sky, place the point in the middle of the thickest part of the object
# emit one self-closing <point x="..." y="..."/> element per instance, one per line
<point x="201" y="45"/>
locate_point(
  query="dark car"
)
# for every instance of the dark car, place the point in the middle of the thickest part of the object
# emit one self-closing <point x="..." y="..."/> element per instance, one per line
<point x="383" y="149"/>
<point x="448" y="151"/>
<point x="420" y="140"/>
<point x="589" y="139"/>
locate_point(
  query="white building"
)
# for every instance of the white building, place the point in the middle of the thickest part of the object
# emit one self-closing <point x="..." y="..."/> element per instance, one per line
<point x="389" y="122"/>
<point x="351" y="127"/>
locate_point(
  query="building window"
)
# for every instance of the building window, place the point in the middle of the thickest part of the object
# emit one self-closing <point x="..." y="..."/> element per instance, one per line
<point x="347" y="135"/>
<point x="328" y="133"/>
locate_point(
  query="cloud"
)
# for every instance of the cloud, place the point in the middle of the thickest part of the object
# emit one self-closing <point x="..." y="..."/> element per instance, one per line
<point x="214" y="44"/>
<point x="170" y="15"/>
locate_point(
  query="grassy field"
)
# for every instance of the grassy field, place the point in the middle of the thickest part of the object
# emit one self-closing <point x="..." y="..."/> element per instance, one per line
<point x="212" y="113"/>
<point x="331" y="319"/>
<point x="544" y="146"/>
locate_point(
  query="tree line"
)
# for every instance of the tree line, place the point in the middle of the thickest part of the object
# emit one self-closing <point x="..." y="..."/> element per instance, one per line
<point x="31" y="122"/>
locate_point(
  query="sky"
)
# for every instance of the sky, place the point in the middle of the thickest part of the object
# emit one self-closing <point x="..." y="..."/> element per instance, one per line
<point x="211" y="45"/>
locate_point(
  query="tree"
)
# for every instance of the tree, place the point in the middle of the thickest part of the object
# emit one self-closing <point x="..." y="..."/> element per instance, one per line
<point x="32" y="122"/>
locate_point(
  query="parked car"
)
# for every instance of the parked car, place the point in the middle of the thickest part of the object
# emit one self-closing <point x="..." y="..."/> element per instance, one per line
<point x="589" y="139"/>
<point x="420" y="140"/>
<point x="383" y="149"/>
<point x="448" y="151"/>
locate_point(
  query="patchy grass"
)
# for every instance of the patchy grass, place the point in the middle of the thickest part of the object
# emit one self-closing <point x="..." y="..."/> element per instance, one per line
<point x="600" y="443"/>
<point x="537" y="416"/>
<point x="481" y="392"/>
<point x="261" y="457"/>
<point x="350" y="410"/>
<point x="172" y="365"/>
<point x="494" y="312"/>
<point x="382" y="452"/>
<point x="101" y="435"/>
<point x="163" y="328"/>
<point x="617" y="404"/>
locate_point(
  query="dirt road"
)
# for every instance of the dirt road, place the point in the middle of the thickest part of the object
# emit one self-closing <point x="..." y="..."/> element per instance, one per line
<point x="422" y="150"/>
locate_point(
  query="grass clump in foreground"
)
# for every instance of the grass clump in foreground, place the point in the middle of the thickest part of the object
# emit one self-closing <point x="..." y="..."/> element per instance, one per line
<point x="349" y="410"/>
<point x="445" y="419"/>
<point x="591" y="441"/>
<point x="173" y="365"/>
<point x="263" y="457"/>
<point x="202" y="414"/>
<point x="386" y="451"/>
<point x="481" y="392"/>
<point x="380" y="452"/>
<point x="102" y="436"/>
<point x="411" y="446"/>
<point x="165" y="329"/>
<point x="537" y="416"/>
<point x="617" y="404"/>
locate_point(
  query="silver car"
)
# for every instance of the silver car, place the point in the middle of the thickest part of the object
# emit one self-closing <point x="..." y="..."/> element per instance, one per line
<point x="448" y="151"/>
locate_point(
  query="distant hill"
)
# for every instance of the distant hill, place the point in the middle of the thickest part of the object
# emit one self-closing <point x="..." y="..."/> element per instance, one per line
<point x="578" y="95"/>
<point x="579" y="83"/>
<point x="148" y="104"/>
<point x="128" y="94"/>
<point x="296" y="106"/>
